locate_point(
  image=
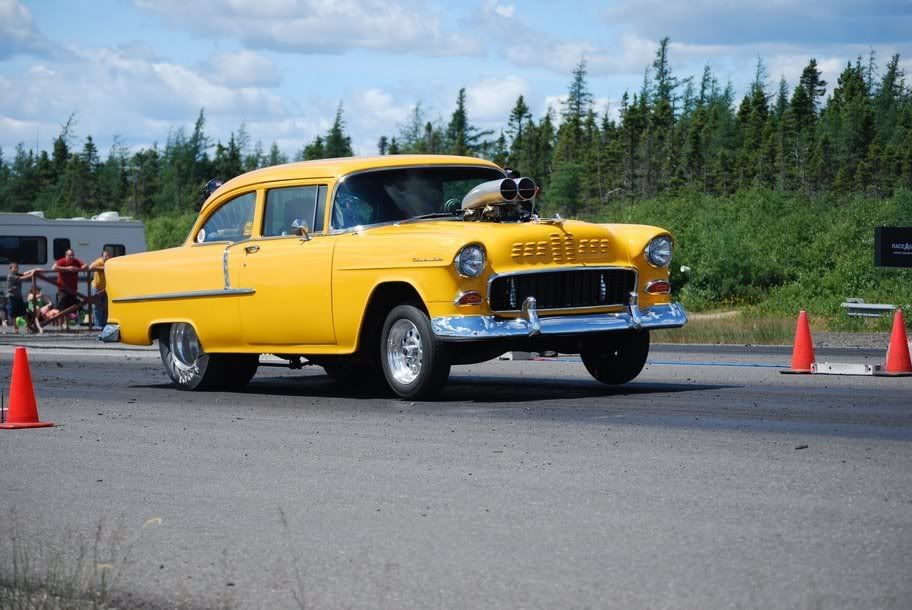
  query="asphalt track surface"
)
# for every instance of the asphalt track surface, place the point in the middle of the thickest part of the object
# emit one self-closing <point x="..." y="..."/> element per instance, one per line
<point x="712" y="481"/>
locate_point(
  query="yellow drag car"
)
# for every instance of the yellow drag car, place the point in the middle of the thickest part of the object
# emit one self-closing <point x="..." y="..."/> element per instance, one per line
<point x="390" y="268"/>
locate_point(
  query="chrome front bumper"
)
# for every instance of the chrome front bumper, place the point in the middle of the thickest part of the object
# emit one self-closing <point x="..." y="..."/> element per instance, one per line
<point x="110" y="333"/>
<point x="456" y="328"/>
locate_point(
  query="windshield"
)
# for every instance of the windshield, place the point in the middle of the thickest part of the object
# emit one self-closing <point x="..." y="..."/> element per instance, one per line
<point x="400" y="194"/>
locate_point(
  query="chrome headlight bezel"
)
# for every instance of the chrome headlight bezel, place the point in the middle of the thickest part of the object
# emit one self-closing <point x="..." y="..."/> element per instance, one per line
<point x="471" y="261"/>
<point x="659" y="251"/>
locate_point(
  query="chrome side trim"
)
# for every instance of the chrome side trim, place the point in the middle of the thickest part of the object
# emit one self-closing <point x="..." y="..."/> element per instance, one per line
<point x="110" y="333"/>
<point x="225" y="268"/>
<point x="467" y="328"/>
<point x="493" y="276"/>
<point x="195" y="294"/>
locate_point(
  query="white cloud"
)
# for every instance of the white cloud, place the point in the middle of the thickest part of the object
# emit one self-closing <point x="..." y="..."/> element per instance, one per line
<point x="113" y="91"/>
<point x="491" y="99"/>
<point x="375" y="108"/>
<point x="507" y="11"/>
<point x="319" y="26"/>
<point x="18" y="34"/>
<point x="242" y="68"/>
<point x="748" y="22"/>
<point x="630" y="55"/>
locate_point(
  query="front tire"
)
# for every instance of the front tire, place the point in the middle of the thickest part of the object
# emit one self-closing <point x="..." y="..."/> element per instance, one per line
<point x="618" y="358"/>
<point x="414" y="363"/>
<point x="191" y="368"/>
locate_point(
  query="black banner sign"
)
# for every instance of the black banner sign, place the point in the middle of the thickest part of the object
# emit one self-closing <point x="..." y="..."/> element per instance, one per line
<point x="893" y="246"/>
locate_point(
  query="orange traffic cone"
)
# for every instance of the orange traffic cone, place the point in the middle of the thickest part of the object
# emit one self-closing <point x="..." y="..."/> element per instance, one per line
<point x="898" y="360"/>
<point x="23" y="411"/>
<point x="803" y="351"/>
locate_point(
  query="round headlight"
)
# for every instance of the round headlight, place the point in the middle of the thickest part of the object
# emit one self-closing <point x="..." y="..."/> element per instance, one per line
<point x="470" y="261"/>
<point x="658" y="252"/>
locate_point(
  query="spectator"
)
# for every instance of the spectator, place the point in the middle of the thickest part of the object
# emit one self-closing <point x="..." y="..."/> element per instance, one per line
<point x="67" y="269"/>
<point x="15" y="306"/>
<point x="4" y="321"/>
<point x="40" y="307"/>
<point x="100" y="308"/>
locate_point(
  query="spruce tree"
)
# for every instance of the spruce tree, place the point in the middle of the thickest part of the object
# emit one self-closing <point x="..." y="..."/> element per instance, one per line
<point x="276" y="156"/>
<point x="337" y="142"/>
<point x="518" y="133"/>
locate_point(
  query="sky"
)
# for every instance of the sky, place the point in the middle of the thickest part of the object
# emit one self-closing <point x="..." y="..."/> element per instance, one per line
<point x="136" y="70"/>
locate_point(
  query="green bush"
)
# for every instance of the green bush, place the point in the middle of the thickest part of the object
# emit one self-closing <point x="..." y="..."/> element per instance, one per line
<point x="777" y="252"/>
<point x="169" y="230"/>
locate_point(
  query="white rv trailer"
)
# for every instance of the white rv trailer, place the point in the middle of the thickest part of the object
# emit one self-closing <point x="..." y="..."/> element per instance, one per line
<point x="36" y="242"/>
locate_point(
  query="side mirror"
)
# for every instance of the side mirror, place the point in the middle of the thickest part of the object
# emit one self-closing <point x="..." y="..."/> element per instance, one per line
<point x="299" y="227"/>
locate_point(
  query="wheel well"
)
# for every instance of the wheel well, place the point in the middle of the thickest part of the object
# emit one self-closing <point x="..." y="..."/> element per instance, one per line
<point x="383" y="299"/>
<point x="154" y="330"/>
<point x="157" y="326"/>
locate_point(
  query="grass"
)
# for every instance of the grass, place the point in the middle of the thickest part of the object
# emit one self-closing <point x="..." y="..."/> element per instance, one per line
<point x="737" y="330"/>
<point x="69" y="571"/>
<point x="750" y="327"/>
<point x="774" y="252"/>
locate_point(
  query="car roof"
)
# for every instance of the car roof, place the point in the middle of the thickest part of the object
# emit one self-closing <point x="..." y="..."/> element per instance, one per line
<point x="334" y="168"/>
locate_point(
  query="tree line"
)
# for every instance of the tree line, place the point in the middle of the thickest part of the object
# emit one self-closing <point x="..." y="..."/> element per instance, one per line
<point x="672" y="135"/>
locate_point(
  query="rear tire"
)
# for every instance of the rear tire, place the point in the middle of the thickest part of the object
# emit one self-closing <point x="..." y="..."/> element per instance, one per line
<point x="617" y="359"/>
<point x="191" y="368"/>
<point x="414" y="363"/>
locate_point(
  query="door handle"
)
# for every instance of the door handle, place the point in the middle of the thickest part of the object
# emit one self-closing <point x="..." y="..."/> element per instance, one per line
<point x="251" y="249"/>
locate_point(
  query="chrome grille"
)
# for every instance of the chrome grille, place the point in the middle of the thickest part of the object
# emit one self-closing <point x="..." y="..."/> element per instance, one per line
<point x="562" y="289"/>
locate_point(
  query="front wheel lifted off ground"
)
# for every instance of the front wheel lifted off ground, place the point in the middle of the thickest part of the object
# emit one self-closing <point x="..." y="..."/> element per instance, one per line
<point x="414" y="363"/>
<point x="617" y="358"/>
<point x="191" y="368"/>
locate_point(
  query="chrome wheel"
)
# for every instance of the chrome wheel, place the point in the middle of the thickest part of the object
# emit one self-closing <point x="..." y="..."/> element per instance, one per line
<point x="187" y="356"/>
<point x="403" y="351"/>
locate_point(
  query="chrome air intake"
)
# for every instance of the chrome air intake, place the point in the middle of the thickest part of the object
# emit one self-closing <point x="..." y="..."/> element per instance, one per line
<point x="527" y="188"/>
<point x="496" y="192"/>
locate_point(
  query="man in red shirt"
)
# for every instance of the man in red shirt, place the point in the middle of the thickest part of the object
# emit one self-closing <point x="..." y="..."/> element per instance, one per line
<point x="67" y="269"/>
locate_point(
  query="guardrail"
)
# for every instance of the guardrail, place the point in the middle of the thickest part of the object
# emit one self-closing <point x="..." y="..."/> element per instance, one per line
<point x="857" y="307"/>
<point x="82" y="300"/>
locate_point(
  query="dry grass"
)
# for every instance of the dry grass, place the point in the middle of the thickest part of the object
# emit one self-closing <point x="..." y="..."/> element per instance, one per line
<point x="69" y="571"/>
<point x="731" y="329"/>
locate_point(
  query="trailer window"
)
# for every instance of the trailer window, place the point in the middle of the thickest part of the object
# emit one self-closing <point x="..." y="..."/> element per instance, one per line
<point x="61" y="245"/>
<point x="23" y="250"/>
<point x="115" y="249"/>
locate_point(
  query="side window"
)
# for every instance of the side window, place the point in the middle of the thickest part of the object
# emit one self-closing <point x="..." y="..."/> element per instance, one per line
<point x="61" y="245"/>
<point x="23" y="250"/>
<point x="286" y="205"/>
<point x="115" y="249"/>
<point x="233" y="221"/>
<point x="350" y="210"/>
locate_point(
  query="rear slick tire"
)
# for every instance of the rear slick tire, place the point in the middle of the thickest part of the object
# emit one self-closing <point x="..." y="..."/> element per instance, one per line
<point x="618" y="358"/>
<point x="414" y="362"/>
<point x="191" y="368"/>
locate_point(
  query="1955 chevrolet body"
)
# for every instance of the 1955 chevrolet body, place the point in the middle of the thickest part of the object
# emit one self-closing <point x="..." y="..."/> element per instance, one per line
<point x="390" y="268"/>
